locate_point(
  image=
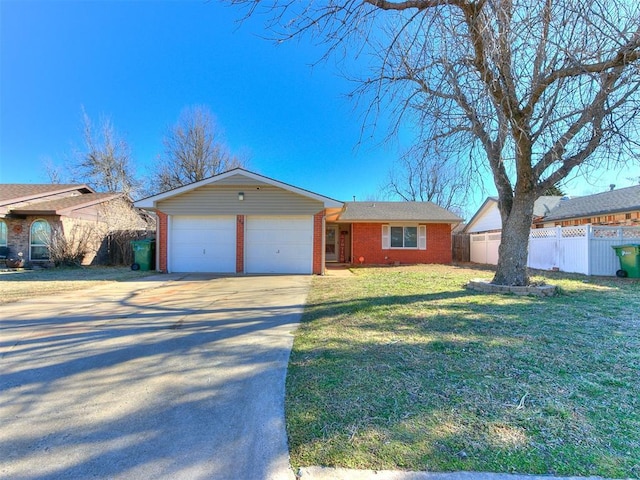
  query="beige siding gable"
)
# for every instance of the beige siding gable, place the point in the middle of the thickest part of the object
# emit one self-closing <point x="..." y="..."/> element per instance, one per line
<point x="90" y="213"/>
<point x="222" y="199"/>
<point x="239" y="179"/>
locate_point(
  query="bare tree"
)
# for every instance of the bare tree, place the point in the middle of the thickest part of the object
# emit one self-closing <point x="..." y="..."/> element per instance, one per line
<point x="70" y="248"/>
<point x="105" y="162"/>
<point x="535" y="89"/>
<point x="423" y="175"/>
<point x="121" y="223"/>
<point x="194" y="149"/>
<point x="53" y="171"/>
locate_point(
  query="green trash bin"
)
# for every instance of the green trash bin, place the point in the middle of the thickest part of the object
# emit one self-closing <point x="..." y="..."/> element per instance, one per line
<point x="629" y="256"/>
<point x="143" y="254"/>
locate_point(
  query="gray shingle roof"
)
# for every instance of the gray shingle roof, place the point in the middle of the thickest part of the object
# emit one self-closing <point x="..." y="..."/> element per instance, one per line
<point x="621" y="200"/>
<point x="14" y="192"/>
<point x="66" y="203"/>
<point x="545" y="204"/>
<point x="396" y="211"/>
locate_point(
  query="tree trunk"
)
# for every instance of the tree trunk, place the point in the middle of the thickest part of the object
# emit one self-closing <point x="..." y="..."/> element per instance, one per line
<point x="514" y="247"/>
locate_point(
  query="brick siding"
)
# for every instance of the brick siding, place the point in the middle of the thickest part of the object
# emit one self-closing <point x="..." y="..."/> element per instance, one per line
<point x="367" y="243"/>
<point x="19" y="233"/>
<point x="318" y="236"/>
<point x="161" y="241"/>
<point x="239" y="243"/>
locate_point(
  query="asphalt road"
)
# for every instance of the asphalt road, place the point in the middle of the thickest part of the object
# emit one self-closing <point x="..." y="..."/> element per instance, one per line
<point x="168" y="377"/>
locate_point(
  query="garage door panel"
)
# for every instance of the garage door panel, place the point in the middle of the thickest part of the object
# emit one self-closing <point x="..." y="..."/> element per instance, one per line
<point x="203" y="244"/>
<point x="279" y="244"/>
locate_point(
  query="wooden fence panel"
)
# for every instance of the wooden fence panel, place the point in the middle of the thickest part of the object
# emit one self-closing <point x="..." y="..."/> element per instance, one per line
<point x="460" y="247"/>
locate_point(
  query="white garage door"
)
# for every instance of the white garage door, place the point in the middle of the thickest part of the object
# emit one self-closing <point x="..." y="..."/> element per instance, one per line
<point x="279" y="244"/>
<point x="202" y="244"/>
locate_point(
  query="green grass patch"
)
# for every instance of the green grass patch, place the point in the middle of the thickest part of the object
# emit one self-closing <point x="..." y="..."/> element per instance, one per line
<point x="19" y="285"/>
<point x="403" y="368"/>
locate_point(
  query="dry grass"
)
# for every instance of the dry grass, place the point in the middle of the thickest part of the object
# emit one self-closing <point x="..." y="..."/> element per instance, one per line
<point x="404" y="368"/>
<point x="22" y="284"/>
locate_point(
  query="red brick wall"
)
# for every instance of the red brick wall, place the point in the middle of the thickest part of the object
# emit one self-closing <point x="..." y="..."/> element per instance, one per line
<point x="239" y="243"/>
<point x="367" y="243"/>
<point x="161" y="240"/>
<point x="318" y="236"/>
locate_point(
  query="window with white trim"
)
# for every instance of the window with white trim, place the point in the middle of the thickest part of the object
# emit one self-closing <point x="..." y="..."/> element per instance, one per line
<point x="404" y="237"/>
<point x="39" y="243"/>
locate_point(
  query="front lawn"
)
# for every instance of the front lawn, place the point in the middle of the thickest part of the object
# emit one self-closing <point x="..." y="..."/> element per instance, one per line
<point x="21" y="284"/>
<point x="402" y="368"/>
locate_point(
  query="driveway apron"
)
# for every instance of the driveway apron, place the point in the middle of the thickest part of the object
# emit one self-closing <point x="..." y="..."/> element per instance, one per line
<point x="171" y="377"/>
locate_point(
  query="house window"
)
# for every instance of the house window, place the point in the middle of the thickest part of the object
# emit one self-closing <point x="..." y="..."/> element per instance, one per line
<point x="40" y="235"/>
<point x="404" y="237"/>
<point x="408" y="236"/>
<point x="3" y="234"/>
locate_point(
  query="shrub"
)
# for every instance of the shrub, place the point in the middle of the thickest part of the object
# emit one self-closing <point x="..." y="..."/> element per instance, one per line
<point x="70" y="249"/>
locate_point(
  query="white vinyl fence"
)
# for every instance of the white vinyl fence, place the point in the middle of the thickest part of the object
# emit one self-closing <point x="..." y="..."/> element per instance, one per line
<point x="580" y="249"/>
<point x="483" y="247"/>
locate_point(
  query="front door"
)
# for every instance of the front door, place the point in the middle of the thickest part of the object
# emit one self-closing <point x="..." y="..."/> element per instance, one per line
<point x="331" y="244"/>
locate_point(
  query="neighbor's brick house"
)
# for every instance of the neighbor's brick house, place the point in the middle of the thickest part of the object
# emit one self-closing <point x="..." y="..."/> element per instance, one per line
<point x="30" y="212"/>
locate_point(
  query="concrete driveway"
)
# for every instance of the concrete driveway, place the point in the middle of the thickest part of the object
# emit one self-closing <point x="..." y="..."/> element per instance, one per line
<point x="167" y="377"/>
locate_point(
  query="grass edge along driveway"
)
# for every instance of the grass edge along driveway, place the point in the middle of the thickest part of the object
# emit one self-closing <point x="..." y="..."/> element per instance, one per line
<point x="24" y="284"/>
<point x="402" y="368"/>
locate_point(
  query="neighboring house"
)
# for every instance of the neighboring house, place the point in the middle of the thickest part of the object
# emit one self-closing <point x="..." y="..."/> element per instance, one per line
<point x="485" y="227"/>
<point x="242" y="222"/>
<point x="29" y="213"/>
<point x="614" y="207"/>
<point x="487" y="218"/>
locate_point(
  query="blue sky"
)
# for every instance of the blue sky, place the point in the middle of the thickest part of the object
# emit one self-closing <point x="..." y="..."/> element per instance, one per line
<point x="141" y="63"/>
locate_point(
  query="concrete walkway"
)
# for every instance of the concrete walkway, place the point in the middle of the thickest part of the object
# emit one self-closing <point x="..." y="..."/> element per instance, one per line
<point x="167" y="377"/>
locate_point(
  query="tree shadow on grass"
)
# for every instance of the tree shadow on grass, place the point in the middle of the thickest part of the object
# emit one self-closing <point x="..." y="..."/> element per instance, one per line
<point x="459" y="380"/>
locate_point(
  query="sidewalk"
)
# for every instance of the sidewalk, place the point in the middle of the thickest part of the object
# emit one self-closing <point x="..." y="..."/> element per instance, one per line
<point x="324" y="473"/>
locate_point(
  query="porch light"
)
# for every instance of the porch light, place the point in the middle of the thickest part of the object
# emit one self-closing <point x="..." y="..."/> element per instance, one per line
<point x="241" y="196"/>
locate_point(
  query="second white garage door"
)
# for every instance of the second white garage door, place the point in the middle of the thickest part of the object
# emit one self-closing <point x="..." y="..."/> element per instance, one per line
<point x="202" y="244"/>
<point x="279" y="244"/>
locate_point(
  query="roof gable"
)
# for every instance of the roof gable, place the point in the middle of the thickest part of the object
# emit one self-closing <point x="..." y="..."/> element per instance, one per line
<point x="487" y="207"/>
<point x="487" y="218"/>
<point x="233" y="177"/>
<point x="396" y="212"/>
<point x="613" y="201"/>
